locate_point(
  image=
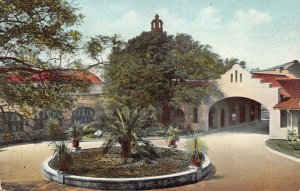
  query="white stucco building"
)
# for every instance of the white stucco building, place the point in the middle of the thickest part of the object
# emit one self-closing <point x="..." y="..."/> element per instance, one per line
<point x="247" y="97"/>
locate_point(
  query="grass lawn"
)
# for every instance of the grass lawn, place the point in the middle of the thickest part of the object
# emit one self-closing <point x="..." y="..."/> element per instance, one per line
<point x="283" y="146"/>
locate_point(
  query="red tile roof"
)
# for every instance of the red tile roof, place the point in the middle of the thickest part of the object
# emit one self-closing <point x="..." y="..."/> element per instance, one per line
<point x="269" y="78"/>
<point x="51" y="77"/>
<point x="92" y="78"/>
<point x="291" y="98"/>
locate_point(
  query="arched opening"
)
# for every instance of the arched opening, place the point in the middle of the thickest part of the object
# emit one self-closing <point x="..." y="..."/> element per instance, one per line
<point x="238" y="111"/>
<point x="222" y="118"/>
<point x="178" y="118"/>
<point x="242" y="113"/>
<point x="212" y="118"/>
<point x="11" y="122"/>
<point x="83" y="115"/>
<point x="43" y="116"/>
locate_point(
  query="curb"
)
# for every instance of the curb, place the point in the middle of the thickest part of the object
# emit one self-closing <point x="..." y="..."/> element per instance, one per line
<point x="190" y="176"/>
<point x="282" y="154"/>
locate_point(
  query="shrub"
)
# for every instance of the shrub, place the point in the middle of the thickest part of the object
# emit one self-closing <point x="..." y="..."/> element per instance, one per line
<point x="89" y="129"/>
<point x="292" y="135"/>
<point x="54" y="132"/>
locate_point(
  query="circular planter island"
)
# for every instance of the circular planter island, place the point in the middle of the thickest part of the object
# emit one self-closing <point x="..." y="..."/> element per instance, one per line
<point x="193" y="175"/>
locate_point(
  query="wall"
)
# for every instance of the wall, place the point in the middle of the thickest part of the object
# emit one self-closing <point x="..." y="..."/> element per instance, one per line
<point x="252" y="88"/>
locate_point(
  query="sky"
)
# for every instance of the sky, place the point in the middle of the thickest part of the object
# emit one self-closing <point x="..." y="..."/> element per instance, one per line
<point x="264" y="33"/>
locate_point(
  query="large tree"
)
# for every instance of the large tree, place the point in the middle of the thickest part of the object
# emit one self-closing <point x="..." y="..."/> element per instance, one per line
<point x="40" y="62"/>
<point x="35" y="39"/>
<point x="39" y="50"/>
<point x="155" y="68"/>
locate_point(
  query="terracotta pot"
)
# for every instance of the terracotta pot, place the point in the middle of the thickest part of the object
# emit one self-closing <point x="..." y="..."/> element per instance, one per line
<point x="172" y="144"/>
<point x="75" y="143"/>
<point x="197" y="162"/>
<point x="63" y="167"/>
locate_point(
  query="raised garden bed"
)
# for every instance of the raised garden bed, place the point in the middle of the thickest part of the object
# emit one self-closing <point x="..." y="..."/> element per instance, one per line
<point x="92" y="163"/>
<point x="170" y="170"/>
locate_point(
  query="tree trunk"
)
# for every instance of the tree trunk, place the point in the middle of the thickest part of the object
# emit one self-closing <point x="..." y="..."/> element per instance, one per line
<point x="166" y="113"/>
<point x="126" y="148"/>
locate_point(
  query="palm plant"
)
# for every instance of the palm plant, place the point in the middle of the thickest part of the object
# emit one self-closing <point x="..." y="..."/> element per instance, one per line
<point x="172" y="136"/>
<point x="126" y="128"/>
<point x="75" y="132"/>
<point x="195" y="149"/>
<point x="62" y="155"/>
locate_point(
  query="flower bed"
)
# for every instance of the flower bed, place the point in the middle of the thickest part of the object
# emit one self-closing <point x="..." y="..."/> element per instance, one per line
<point x="189" y="176"/>
<point x="92" y="163"/>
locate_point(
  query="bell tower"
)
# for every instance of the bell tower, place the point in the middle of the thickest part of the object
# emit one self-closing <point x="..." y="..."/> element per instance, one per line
<point x="157" y="24"/>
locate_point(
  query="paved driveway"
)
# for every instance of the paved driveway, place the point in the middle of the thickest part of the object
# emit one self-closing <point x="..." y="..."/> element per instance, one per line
<point x="240" y="162"/>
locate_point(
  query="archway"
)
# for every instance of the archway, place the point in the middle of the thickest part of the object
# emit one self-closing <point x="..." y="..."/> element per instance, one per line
<point x="213" y="119"/>
<point x="222" y="118"/>
<point x="83" y="115"/>
<point x="238" y="111"/>
<point x="178" y="118"/>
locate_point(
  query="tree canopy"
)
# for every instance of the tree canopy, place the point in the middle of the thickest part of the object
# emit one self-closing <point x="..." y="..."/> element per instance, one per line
<point x="38" y="48"/>
<point x="155" y="68"/>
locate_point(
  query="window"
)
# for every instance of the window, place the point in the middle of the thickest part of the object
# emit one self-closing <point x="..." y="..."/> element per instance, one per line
<point x="195" y="115"/>
<point x="11" y="121"/>
<point x="241" y="77"/>
<point x="83" y="115"/>
<point x="43" y="116"/>
<point x="283" y="118"/>
<point x="231" y="78"/>
<point x="236" y="76"/>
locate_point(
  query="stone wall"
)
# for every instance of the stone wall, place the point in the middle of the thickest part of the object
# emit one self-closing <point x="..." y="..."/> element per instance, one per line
<point x="190" y="176"/>
<point x="22" y="136"/>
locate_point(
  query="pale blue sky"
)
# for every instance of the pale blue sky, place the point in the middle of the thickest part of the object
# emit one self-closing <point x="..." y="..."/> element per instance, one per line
<point x="264" y="33"/>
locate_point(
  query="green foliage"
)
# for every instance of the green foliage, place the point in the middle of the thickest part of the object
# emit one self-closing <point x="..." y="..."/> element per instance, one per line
<point x="38" y="48"/>
<point x="283" y="146"/>
<point x="292" y="135"/>
<point x="297" y="145"/>
<point x="195" y="147"/>
<point x="54" y="131"/>
<point x="228" y="63"/>
<point x="61" y="153"/>
<point x="172" y="134"/>
<point x="75" y="131"/>
<point x="126" y="127"/>
<point x="88" y="129"/>
<point x="153" y="68"/>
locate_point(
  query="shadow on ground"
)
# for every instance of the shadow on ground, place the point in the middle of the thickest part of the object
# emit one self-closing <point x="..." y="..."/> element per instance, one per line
<point x="212" y="174"/>
<point x="37" y="186"/>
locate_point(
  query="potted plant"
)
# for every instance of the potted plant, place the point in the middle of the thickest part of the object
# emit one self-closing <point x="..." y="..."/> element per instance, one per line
<point x="195" y="150"/>
<point x="62" y="156"/>
<point x="75" y="133"/>
<point x="172" y="136"/>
